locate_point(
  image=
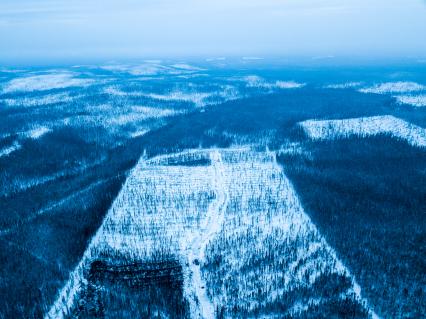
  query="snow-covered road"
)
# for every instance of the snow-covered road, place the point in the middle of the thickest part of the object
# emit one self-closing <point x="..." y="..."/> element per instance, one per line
<point x="200" y="303"/>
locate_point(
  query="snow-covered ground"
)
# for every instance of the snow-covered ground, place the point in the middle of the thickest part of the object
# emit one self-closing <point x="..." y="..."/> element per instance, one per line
<point x="365" y="126"/>
<point x="268" y="247"/>
<point x="45" y="82"/>
<point x="404" y="92"/>
<point x="6" y="151"/>
<point x="195" y="244"/>
<point x="147" y="69"/>
<point x="186" y="66"/>
<point x="152" y="68"/>
<point x="201" y="206"/>
<point x="255" y="81"/>
<point x="346" y="85"/>
<point x="414" y="100"/>
<point x="197" y="98"/>
<point x="154" y="214"/>
<point x="39" y="101"/>
<point x="394" y="87"/>
<point x="34" y="134"/>
<point x="139" y="113"/>
<point x="37" y="132"/>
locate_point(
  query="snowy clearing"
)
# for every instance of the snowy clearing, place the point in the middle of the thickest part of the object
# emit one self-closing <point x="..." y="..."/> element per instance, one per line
<point x="187" y="67"/>
<point x="346" y="85"/>
<point x="414" y="100"/>
<point x="152" y="68"/>
<point x="148" y="69"/>
<point x="255" y="81"/>
<point x="197" y="98"/>
<point x="394" y="87"/>
<point x="46" y="82"/>
<point x="10" y="149"/>
<point x="39" y="101"/>
<point x="37" y="132"/>
<point x="196" y="205"/>
<point x="365" y="126"/>
<point x="267" y="247"/>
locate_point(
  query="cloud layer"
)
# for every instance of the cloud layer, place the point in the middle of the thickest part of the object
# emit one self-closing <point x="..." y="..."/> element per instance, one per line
<point x="115" y="29"/>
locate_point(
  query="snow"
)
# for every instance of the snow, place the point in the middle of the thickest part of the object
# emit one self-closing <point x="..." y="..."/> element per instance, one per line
<point x="414" y="100"/>
<point x="263" y="213"/>
<point x="139" y="133"/>
<point x="151" y="68"/>
<point x="137" y="70"/>
<point x="192" y="76"/>
<point x="346" y="85"/>
<point x="45" y="82"/>
<point x="187" y="67"/>
<point x="10" y="149"/>
<point x="122" y="119"/>
<point x="154" y="112"/>
<point x="197" y="98"/>
<point x="236" y="207"/>
<point x="38" y="132"/>
<point x="139" y="113"/>
<point x="288" y="85"/>
<point x="394" y="87"/>
<point x="253" y="80"/>
<point x="258" y="82"/>
<point x="228" y="93"/>
<point x="157" y="208"/>
<point x="365" y="126"/>
<point x="112" y="90"/>
<point x="39" y="101"/>
<point x="197" y="242"/>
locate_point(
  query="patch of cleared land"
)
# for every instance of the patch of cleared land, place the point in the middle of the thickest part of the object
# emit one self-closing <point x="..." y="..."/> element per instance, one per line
<point x="232" y="220"/>
<point x="365" y="126"/>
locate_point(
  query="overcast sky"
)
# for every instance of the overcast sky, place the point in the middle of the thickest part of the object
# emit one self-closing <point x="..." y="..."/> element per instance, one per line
<point x="107" y="29"/>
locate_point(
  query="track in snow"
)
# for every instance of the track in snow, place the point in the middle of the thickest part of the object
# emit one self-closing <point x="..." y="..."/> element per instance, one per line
<point x="196" y="289"/>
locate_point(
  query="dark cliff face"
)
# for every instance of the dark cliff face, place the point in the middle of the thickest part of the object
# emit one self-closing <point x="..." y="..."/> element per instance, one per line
<point x="132" y="290"/>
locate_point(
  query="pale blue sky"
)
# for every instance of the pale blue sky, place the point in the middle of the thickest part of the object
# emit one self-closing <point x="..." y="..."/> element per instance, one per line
<point x="106" y="29"/>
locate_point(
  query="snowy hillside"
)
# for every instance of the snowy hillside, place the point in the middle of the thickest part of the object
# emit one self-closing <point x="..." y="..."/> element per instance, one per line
<point x="367" y="126"/>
